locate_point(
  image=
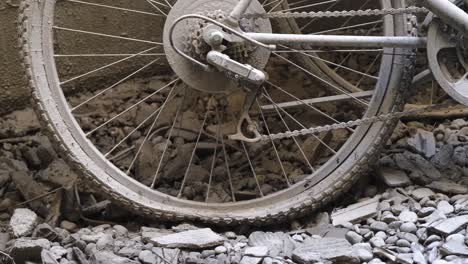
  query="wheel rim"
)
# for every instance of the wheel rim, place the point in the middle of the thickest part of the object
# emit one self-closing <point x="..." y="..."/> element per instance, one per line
<point x="295" y="189"/>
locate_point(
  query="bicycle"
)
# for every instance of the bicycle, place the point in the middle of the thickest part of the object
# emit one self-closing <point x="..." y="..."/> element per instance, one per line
<point x="256" y="111"/>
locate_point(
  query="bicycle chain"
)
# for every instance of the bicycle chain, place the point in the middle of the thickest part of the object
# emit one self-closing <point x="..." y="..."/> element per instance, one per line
<point x="357" y="122"/>
<point x="346" y="13"/>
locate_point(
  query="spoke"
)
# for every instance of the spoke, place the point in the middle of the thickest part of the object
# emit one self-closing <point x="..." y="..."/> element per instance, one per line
<point x="114" y="7"/>
<point x="156" y="7"/>
<point x="182" y="186"/>
<point x="297" y="121"/>
<point x="131" y="107"/>
<point x="310" y="5"/>
<point x="294" y="138"/>
<point x="215" y="157"/>
<point x="273" y="145"/>
<point x="108" y="55"/>
<point x="304" y="103"/>
<point x="252" y="168"/>
<point x="149" y="131"/>
<point x="226" y="157"/>
<point x="159" y="3"/>
<point x="107" y="35"/>
<point x="114" y="85"/>
<point x="156" y="175"/>
<point x="321" y="79"/>
<point x="337" y="65"/>
<point x="134" y="130"/>
<point x="105" y="66"/>
<point x="275" y="6"/>
<point x="348" y="27"/>
<point x="326" y="99"/>
<point x="368" y="69"/>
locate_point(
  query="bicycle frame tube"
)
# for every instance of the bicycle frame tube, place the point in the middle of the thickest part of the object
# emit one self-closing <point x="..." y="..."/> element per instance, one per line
<point x="449" y="12"/>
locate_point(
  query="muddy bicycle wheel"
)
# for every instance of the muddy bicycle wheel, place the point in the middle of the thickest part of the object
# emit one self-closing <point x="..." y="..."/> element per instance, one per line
<point x="151" y="131"/>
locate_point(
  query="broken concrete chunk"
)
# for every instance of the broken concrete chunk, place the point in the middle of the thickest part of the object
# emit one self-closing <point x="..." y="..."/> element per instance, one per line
<point x="250" y="260"/>
<point x="448" y="187"/>
<point x="356" y="212"/>
<point x="193" y="239"/>
<point x="421" y="193"/>
<point x="455" y="245"/>
<point x="261" y="251"/>
<point x="23" y="222"/>
<point x="107" y="257"/>
<point x="26" y="249"/>
<point x="394" y="177"/>
<point x="450" y="225"/>
<point x="336" y="250"/>
<point x="423" y="142"/>
<point x="279" y="244"/>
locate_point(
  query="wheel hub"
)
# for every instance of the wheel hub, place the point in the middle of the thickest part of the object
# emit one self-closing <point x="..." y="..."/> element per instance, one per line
<point x="188" y="37"/>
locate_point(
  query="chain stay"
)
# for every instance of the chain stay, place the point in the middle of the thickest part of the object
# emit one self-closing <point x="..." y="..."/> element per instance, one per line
<point x="357" y="122"/>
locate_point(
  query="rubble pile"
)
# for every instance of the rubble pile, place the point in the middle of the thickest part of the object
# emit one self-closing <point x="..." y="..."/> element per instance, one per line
<point x="413" y="208"/>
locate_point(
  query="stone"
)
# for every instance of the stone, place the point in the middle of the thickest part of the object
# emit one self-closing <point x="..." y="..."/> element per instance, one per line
<point x="58" y="252"/>
<point x="26" y="249"/>
<point x="445" y="207"/>
<point x="450" y="225"/>
<point x="409" y="227"/>
<point x="106" y="241"/>
<point x="220" y="250"/>
<point x="23" y="222"/>
<point x="171" y="256"/>
<point x="107" y="257"/>
<point x="193" y="239"/>
<point x="455" y="245"/>
<point x="279" y="244"/>
<point x="403" y="243"/>
<point x="377" y="242"/>
<point x="379" y="226"/>
<point x="421" y="193"/>
<point x="250" y="260"/>
<point x="394" y="177"/>
<point x="59" y="174"/>
<point x="260" y="251"/>
<point x="407" y="236"/>
<point x="408" y="216"/>
<point x="356" y="212"/>
<point x="147" y="257"/>
<point x="363" y="251"/>
<point x="48" y="257"/>
<point x="353" y="237"/>
<point x="423" y="142"/>
<point x="69" y="226"/>
<point x="448" y="187"/>
<point x="335" y="250"/>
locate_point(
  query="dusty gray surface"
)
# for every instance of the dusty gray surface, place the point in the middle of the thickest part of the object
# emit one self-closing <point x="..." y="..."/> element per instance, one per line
<point x="13" y="91"/>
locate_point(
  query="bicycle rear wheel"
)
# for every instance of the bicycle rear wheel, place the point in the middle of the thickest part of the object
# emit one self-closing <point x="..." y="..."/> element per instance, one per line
<point x="159" y="146"/>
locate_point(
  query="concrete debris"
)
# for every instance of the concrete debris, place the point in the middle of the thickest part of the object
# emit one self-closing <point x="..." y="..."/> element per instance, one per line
<point x="450" y="225"/>
<point x="325" y="249"/>
<point x="279" y="244"/>
<point x="448" y="187"/>
<point x="356" y="212"/>
<point x="394" y="177"/>
<point x="23" y="222"/>
<point x="193" y="239"/>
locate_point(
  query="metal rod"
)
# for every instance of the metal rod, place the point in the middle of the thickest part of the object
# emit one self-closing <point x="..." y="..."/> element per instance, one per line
<point x="240" y="9"/>
<point x="449" y="12"/>
<point x="339" y="40"/>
